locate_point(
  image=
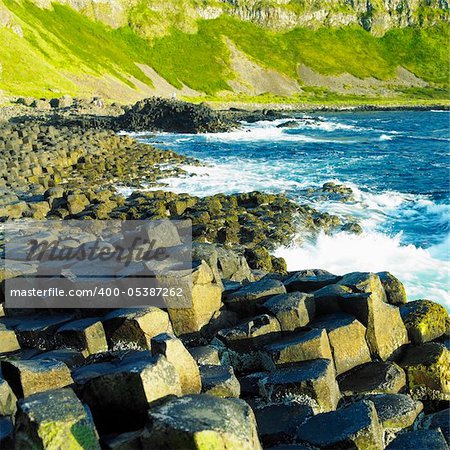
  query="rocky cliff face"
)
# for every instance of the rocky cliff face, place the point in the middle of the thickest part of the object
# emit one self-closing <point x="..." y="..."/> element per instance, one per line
<point x="377" y="16"/>
<point x="152" y="17"/>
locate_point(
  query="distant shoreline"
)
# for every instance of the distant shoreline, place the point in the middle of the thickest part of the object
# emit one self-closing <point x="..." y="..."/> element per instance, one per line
<point x="295" y="107"/>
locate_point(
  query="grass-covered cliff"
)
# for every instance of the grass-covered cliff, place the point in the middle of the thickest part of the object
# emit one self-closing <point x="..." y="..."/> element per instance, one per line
<point x="220" y="49"/>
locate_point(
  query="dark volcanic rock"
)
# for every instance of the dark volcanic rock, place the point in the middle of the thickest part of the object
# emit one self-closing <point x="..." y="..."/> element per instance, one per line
<point x="293" y="310"/>
<point x="246" y="299"/>
<point x="219" y="381"/>
<point x="310" y="280"/>
<point x="201" y="421"/>
<point x="373" y="377"/>
<point x="395" y="410"/>
<point x="420" y="439"/>
<point x="158" y="114"/>
<point x="278" y="423"/>
<point x="356" y="424"/>
<point x="440" y="420"/>
<point x="313" y="382"/>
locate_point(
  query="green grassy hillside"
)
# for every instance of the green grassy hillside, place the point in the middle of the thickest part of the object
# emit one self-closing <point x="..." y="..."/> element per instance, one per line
<point x="62" y="51"/>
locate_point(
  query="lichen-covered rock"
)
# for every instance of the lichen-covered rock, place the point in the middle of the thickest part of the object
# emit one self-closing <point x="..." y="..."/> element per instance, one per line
<point x="8" y="340"/>
<point x="423" y="439"/>
<point x="386" y="334"/>
<point x="353" y="425"/>
<point x="425" y="320"/>
<point x="201" y="422"/>
<point x="133" y="328"/>
<point x="395" y="291"/>
<point x="427" y="366"/>
<point x="206" y="299"/>
<point x="7" y="399"/>
<point x="373" y="378"/>
<point x="177" y="354"/>
<point x="312" y="382"/>
<point x="293" y="310"/>
<point x="347" y="340"/>
<point x="395" y="410"/>
<point x="220" y="381"/>
<point x="30" y="377"/>
<point x="297" y="347"/>
<point x="54" y="420"/>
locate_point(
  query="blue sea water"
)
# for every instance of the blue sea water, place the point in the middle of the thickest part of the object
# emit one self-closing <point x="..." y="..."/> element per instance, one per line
<point x="397" y="164"/>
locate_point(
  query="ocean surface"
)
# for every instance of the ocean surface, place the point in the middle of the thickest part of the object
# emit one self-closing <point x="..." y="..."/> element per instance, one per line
<point x="397" y="164"/>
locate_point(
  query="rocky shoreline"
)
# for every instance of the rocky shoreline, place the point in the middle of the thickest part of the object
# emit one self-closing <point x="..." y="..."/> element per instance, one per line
<point x="263" y="358"/>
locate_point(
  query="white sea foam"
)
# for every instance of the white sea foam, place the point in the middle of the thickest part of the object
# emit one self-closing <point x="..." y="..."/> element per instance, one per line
<point x="423" y="273"/>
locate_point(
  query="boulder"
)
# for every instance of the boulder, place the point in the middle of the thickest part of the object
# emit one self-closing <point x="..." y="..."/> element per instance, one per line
<point x="395" y="410"/>
<point x="40" y="332"/>
<point x="425" y="320"/>
<point x="420" y="439"/>
<point x="251" y="334"/>
<point x="119" y="395"/>
<point x="220" y="381"/>
<point x="327" y="300"/>
<point x="279" y="423"/>
<point x="355" y="425"/>
<point x="437" y="420"/>
<point x="347" y="340"/>
<point x="427" y="368"/>
<point x="386" y="334"/>
<point x="30" y="377"/>
<point x="310" y="280"/>
<point x="55" y="420"/>
<point x="201" y="422"/>
<point x="205" y="355"/>
<point x="246" y="300"/>
<point x="185" y="365"/>
<point x="7" y="399"/>
<point x="76" y="203"/>
<point x="70" y="357"/>
<point x="8" y="340"/>
<point x="395" y="291"/>
<point x="297" y="347"/>
<point x="311" y="382"/>
<point x="85" y="335"/>
<point x="133" y="328"/>
<point x="206" y="299"/>
<point x="293" y="310"/>
<point x="373" y="378"/>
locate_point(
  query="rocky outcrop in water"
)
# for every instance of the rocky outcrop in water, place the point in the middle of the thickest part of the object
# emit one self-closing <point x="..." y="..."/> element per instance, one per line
<point x="158" y="114"/>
